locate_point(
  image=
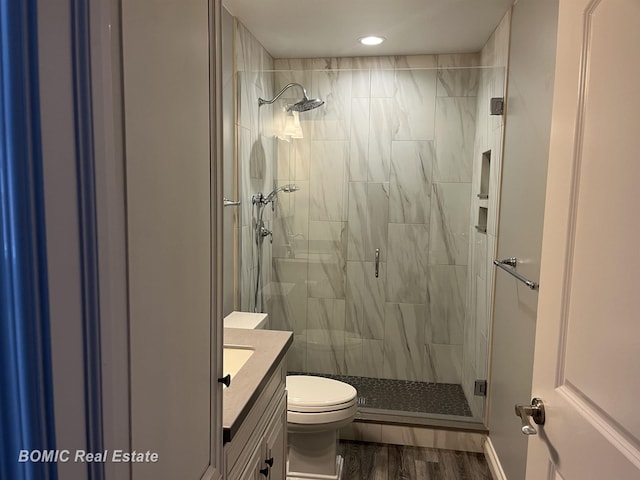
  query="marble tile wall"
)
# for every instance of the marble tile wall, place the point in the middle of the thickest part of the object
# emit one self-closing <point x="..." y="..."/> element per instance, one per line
<point x="255" y="154"/>
<point x="489" y="133"/>
<point x="386" y="164"/>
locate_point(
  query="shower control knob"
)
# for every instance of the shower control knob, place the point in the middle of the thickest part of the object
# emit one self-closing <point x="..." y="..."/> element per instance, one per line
<point x="257" y="199"/>
<point x="265" y="232"/>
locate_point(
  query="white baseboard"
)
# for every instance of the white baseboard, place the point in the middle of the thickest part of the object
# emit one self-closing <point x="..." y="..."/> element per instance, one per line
<point x="494" y="462"/>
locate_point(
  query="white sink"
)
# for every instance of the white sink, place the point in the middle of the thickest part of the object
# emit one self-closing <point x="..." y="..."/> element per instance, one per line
<point x="234" y="357"/>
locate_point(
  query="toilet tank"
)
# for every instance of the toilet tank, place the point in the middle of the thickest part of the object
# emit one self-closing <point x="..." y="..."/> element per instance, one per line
<point x="259" y="321"/>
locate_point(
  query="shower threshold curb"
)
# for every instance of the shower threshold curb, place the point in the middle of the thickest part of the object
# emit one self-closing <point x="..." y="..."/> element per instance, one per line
<point x="410" y="419"/>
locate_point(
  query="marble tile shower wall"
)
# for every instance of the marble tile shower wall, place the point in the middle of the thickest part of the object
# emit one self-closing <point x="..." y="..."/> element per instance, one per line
<point x="386" y="163"/>
<point x="255" y="158"/>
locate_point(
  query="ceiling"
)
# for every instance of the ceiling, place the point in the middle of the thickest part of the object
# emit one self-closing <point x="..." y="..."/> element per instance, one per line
<point x="320" y="28"/>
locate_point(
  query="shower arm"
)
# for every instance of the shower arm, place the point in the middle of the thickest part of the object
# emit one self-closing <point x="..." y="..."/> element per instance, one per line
<point x="262" y="101"/>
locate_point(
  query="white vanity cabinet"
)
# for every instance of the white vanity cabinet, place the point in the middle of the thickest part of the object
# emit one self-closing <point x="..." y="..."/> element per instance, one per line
<point x="257" y="450"/>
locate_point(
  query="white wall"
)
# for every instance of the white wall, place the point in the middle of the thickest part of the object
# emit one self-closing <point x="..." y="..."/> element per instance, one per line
<point x="528" y="121"/>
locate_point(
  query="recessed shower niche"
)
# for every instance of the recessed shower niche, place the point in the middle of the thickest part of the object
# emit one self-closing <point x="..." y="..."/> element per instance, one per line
<point x="483" y="196"/>
<point x="485" y="171"/>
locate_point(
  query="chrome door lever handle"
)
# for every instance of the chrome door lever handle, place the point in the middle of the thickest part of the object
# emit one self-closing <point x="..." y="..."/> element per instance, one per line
<point x="535" y="411"/>
<point x="230" y="203"/>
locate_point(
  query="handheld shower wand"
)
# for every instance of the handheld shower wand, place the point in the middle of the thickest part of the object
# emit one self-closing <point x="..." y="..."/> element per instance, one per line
<point x="261" y="231"/>
<point x="263" y="200"/>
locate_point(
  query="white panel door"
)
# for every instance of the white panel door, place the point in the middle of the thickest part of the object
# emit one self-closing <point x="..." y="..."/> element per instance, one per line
<point x="587" y="355"/>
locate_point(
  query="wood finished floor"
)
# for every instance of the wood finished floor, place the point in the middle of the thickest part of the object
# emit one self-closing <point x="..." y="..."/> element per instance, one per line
<point x="376" y="461"/>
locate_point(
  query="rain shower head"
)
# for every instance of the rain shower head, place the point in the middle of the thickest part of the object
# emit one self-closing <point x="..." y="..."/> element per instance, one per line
<point x="305" y="104"/>
<point x="302" y="106"/>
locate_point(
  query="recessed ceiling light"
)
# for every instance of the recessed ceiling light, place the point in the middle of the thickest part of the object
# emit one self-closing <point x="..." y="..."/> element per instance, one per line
<point x="372" y="40"/>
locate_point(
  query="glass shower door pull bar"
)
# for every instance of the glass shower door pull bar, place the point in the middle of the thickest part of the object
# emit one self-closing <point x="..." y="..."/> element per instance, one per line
<point x="377" y="262"/>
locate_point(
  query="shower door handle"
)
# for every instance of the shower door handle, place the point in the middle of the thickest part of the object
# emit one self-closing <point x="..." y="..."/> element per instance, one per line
<point x="377" y="262"/>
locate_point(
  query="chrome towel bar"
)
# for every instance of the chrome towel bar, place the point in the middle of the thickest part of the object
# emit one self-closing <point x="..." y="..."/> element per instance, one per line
<point x="509" y="265"/>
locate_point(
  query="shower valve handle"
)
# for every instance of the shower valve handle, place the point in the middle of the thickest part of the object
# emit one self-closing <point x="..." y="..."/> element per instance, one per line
<point x="265" y="232"/>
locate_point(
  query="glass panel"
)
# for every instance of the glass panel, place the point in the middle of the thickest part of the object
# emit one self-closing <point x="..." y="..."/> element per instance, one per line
<point x="387" y="176"/>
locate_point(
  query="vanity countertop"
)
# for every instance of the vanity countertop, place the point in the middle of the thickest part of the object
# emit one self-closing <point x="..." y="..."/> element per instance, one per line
<point x="270" y="347"/>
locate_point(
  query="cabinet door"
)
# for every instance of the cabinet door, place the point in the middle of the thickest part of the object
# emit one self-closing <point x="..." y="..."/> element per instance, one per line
<point x="256" y="468"/>
<point x="276" y="443"/>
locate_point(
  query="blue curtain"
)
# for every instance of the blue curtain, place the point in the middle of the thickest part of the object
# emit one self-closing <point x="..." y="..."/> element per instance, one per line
<point x="26" y="396"/>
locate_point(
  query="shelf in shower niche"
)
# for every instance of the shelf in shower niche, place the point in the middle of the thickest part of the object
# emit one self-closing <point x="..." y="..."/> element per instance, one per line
<point x="481" y="227"/>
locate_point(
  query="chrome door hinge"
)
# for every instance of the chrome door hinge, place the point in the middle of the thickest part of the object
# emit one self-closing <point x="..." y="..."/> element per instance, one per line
<point x="480" y="388"/>
<point x="497" y="106"/>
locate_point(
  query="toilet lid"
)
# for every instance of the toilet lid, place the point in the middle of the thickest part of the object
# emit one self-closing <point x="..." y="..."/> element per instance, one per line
<point x="319" y="394"/>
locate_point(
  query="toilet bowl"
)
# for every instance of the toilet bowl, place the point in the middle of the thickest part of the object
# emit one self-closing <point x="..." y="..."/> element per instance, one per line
<point x="317" y="408"/>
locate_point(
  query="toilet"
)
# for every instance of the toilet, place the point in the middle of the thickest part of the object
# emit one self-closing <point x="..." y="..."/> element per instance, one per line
<point x="317" y="408"/>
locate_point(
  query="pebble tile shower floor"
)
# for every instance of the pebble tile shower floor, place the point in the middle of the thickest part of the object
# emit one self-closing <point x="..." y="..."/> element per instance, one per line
<point x="406" y="395"/>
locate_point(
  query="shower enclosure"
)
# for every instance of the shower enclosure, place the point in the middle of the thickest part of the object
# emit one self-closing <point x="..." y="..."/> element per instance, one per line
<point x="378" y="260"/>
